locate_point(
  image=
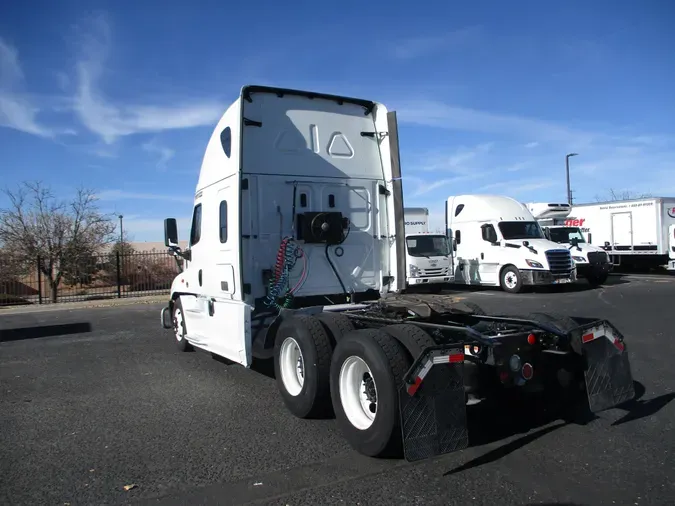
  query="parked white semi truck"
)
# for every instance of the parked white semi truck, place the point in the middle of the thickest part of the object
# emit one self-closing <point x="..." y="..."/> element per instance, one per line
<point x="297" y="253"/>
<point x="428" y="255"/>
<point x="499" y="243"/>
<point x="637" y="233"/>
<point x="592" y="262"/>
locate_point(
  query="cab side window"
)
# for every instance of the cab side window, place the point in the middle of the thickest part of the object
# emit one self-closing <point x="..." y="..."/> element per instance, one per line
<point x="489" y="234"/>
<point x="196" y="231"/>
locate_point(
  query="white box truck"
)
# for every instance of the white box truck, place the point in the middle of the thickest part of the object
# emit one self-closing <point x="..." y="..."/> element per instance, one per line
<point x="637" y="233"/>
<point x="297" y="254"/>
<point x="592" y="262"/>
<point x="428" y="255"/>
<point x="499" y="243"/>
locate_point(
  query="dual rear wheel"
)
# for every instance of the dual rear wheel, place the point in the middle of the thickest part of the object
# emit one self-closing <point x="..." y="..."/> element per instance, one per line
<point x="325" y="367"/>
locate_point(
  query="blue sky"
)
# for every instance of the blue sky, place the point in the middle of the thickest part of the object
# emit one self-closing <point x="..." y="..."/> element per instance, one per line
<point x="123" y="96"/>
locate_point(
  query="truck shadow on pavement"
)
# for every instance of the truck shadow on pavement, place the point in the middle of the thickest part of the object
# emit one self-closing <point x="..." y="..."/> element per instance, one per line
<point x="522" y="417"/>
<point x="23" y="333"/>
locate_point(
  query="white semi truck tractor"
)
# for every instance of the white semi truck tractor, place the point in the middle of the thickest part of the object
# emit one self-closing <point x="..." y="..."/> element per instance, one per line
<point x="297" y="255"/>
<point x="592" y="262"/>
<point x="499" y="243"/>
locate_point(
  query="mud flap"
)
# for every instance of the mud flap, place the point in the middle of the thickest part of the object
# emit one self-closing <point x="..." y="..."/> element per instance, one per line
<point x="433" y="405"/>
<point x="609" y="381"/>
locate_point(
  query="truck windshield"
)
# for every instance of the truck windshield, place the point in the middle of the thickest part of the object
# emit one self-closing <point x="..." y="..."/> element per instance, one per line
<point x="520" y="230"/>
<point x="427" y="245"/>
<point x="564" y="235"/>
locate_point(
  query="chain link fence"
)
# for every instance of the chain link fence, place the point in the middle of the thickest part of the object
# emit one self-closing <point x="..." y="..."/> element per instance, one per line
<point x="97" y="277"/>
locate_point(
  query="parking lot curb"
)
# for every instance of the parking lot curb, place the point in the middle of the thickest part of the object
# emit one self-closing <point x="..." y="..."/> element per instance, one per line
<point x="65" y="306"/>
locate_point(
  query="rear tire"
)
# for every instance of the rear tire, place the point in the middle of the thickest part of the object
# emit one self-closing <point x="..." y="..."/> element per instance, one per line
<point x="302" y="355"/>
<point x="411" y="337"/>
<point x="510" y="279"/>
<point x="367" y="412"/>
<point x="337" y="325"/>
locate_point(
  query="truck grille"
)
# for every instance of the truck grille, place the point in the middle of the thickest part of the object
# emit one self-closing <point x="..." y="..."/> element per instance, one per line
<point x="560" y="262"/>
<point x="597" y="257"/>
<point x="425" y="273"/>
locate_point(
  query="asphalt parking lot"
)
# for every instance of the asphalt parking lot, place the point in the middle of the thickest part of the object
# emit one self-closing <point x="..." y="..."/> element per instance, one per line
<point x="94" y="400"/>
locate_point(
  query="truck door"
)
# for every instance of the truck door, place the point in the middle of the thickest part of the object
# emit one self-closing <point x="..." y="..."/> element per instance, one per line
<point x="671" y="242"/>
<point x="194" y="305"/>
<point x="490" y="253"/>
<point x="622" y="230"/>
<point x="228" y="320"/>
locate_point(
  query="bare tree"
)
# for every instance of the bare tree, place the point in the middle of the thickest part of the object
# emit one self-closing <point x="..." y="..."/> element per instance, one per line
<point x="614" y="195"/>
<point x="61" y="234"/>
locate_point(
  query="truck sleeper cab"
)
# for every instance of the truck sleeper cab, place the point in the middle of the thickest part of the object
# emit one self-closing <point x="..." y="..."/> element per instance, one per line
<point x="499" y="243"/>
<point x="296" y="254"/>
<point x="592" y="262"/>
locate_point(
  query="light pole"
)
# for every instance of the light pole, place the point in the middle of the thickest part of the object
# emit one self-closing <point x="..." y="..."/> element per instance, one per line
<point x="121" y="234"/>
<point x="567" y="172"/>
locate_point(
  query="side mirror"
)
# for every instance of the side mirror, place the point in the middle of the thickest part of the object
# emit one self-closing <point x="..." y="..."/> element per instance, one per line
<point x="454" y="244"/>
<point x="607" y="244"/>
<point x="547" y="234"/>
<point x="590" y="238"/>
<point x="170" y="232"/>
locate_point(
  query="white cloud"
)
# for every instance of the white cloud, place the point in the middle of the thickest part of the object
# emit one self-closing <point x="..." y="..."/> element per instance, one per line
<point x="116" y="195"/>
<point x="110" y="120"/>
<point x="439" y="114"/>
<point x="10" y="69"/>
<point x="164" y="153"/>
<point x="423" y="187"/>
<point x="17" y="109"/>
<point x="459" y="160"/>
<point x="415" y="47"/>
<point x="513" y="188"/>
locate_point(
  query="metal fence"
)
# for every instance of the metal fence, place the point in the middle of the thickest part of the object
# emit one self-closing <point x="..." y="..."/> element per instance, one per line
<point x="97" y="277"/>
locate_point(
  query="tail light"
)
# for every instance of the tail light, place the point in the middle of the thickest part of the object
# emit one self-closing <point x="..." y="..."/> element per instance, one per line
<point x="531" y="339"/>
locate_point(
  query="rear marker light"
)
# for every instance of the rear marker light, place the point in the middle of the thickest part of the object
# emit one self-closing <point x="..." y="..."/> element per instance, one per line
<point x="619" y="345"/>
<point x="587" y="338"/>
<point x="413" y="388"/>
<point x="456" y="358"/>
<point x="527" y="371"/>
<point x="453" y="358"/>
<point x="531" y="339"/>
